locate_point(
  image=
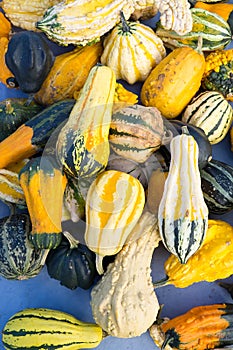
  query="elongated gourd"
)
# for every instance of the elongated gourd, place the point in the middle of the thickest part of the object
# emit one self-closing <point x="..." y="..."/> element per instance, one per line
<point x="123" y="302"/>
<point x="41" y="328"/>
<point x="182" y="213"/>
<point x="114" y="203"/>
<point x="43" y="184"/>
<point x="82" y="145"/>
<point x="174" y="81"/>
<point x="68" y="74"/>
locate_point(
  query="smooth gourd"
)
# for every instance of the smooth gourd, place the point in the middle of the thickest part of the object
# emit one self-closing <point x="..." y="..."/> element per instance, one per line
<point x="183" y="213"/>
<point x="114" y="203"/>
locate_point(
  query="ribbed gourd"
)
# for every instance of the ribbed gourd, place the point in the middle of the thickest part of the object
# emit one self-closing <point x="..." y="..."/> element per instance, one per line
<point x="132" y="42"/>
<point x="211" y="112"/>
<point x="43" y="184"/>
<point x="211" y="262"/>
<point x="19" y="260"/>
<point x="25" y="14"/>
<point x="124" y="302"/>
<point x="136" y="132"/>
<point x="174" y="81"/>
<point x="114" y="203"/>
<point x="40" y="328"/>
<point x="201" y="327"/>
<point x="68" y="74"/>
<point x="214" y="30"/>
<point x="82" y="145"/>
<point x="79" y="23"/>
<point x="218" y="73"/>
<point x="182" y="213"/>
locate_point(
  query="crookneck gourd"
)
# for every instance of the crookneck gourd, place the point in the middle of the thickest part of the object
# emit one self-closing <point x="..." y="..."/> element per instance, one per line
<point x="132" y="42"/>
<point x="207" y="263"/>
<point x="114" y="203"/>
<point x="200" y="328"/>
<point x="136" y="132"/>
<point x="182" y="213"/>
<point x="68" y="74"/>
<point x="43" y="184"/>
<point x="19" y="260"/>
<point x="82" y="146"/>
<point x="174" y="81"/>
<point x="42" y="329"/>
<point x="123" y="302"/>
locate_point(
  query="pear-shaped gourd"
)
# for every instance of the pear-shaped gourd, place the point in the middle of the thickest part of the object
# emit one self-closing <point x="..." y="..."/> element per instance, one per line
<point x="123" y="302"/>
<point x="114" y="203"/>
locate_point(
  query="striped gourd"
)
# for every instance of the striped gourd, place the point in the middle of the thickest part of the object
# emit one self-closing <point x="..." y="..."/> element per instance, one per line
<point x="114" y="203"/>
<point x="211" y="112"/>
<point x="182" y="213"/>
<point x="136" y="132"/>
<point x="81" y="22"/>
<point x="217" y="186"/>
<point x="82" y="145"/>
<point x="212" y="28"/>
<point x="40" y="328"/>
<point x="136" y="43"/>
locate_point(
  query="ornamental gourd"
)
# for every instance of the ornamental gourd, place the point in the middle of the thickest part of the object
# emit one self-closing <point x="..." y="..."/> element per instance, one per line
<point x="200" y="328"/>
<point x="136" y="132"/>
<point x="182" y="213"/>
<point x="43" y="184"/>
<point x="82" y="145"/>
<point x="68" y="74"/>
<point x="114" y="203"/>
<point x="211" y="112"/>
<point x="40" y="328"/>
<point x="6" y="76"/>
<point x="123" y="302"/>
<point x="19" y="260"/>
<point x="132" y="42"/>
<point x="5" y="26"/>
<point x="174" y="81"/>
<point x="30" y="59"/>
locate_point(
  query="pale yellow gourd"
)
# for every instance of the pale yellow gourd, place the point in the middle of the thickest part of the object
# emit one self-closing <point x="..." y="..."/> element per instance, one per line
<point x="123" y="302"/>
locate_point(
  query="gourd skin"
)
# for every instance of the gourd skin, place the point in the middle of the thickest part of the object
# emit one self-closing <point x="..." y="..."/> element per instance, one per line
<point x="123" y="302"/>
<point x="68" y="74"/>
<point x="6" y="76"/>
<point x="207" y="263"/>
<point x="114" y="203"/>
<point x="5" y="26"/>
<point x="182" y="213"/>
<point x="40" y="328"/>
<point x="171" y="84"/>
<point x="136" y="43"/>
<point x="202" y="327"/>
<point x="19" y="260"/>
<point x="43" y="184"/>
<point x="82" y="145"/>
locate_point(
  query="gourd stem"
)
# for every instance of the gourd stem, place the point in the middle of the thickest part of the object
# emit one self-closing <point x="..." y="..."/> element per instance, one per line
<point x="125" y="26"/>
<point x="9" y="108"/>
<point x="99" y="264"/>
<point x="73" y="242"/>
<point x="166" y="342"/>
<point x="46" y="251"/>
<point x="185" y="130"/>
<point x="162" y="282"/>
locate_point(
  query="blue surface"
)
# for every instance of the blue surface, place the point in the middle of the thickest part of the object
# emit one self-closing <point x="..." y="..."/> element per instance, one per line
<point x="42" y="291"/>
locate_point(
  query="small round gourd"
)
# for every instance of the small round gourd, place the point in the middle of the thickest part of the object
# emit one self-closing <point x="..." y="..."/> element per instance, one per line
<point x="132" y="50"/>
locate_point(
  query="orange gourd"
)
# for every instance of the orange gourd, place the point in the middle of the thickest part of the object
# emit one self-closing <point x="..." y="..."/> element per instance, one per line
<point x="5" y="26"/>
<point x="6" y="77"/>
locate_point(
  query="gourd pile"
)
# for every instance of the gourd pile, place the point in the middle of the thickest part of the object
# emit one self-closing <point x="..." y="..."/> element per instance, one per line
<point x="136" y="169"/>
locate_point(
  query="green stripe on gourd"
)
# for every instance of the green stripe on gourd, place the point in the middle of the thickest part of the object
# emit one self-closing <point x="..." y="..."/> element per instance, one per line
<point x="49" y="329"/>
<point x="217" y="186"/>
<point x="211" y="112"/>
<point x="212" y="28"/>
